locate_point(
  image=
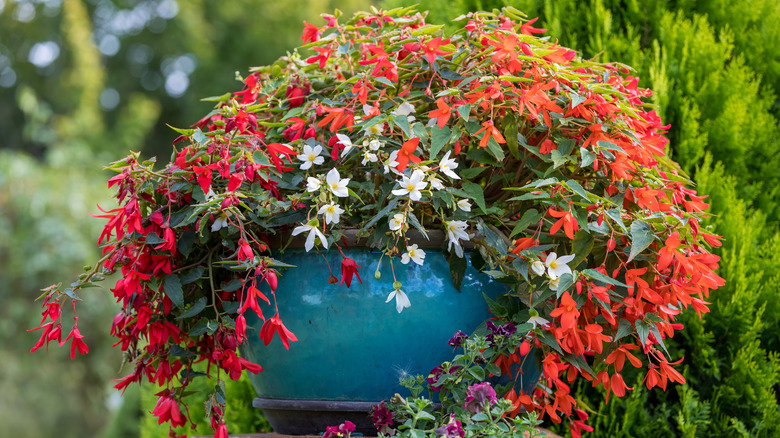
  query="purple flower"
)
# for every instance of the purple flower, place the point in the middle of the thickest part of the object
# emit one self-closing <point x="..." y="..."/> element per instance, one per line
<point x="457" y="339"/>
<point x="502" y="330"/>
<point x="343" y="430"/>
<point x="382" y="418"/>
<point x="452" y="429"/>
<point x="436" y="373"/>
<point x="478" y="395"/>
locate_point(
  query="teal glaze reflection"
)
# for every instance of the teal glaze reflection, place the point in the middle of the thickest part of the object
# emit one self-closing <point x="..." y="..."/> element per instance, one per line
<point x="351" y="344"/>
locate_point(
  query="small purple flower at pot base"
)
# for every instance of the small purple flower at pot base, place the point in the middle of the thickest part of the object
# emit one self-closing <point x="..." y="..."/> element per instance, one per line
<point x="457" y="339"/>
<point x="383" y="419"/>
<point x="343" y="430"/>
<point x="452" y="429"/>
<point x="478" y="395"/>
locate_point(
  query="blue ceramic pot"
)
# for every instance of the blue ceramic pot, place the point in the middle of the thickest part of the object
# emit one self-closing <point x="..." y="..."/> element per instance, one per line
<point x="352" y="346"/>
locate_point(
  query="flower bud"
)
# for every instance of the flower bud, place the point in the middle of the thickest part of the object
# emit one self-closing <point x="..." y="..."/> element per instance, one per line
<point x="272" y="280"/>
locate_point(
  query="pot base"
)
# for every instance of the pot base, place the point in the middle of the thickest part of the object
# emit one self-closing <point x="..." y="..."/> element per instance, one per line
<point x="306" y="417"/>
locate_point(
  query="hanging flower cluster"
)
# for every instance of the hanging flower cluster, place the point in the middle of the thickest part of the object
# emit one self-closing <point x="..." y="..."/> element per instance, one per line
<point x="549" y="168"/>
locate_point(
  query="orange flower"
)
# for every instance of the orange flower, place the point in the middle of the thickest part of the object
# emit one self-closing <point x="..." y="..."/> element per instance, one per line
<point x="490" y="131"/>
<point x="442" y="115"/>
<point x="567" y="311"/>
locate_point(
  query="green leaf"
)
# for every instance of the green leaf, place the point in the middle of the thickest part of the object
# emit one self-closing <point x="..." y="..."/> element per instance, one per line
<point x="642" y="330"/>
<point x="178" y="351"/>
<point x="577" y="188"/>
<point x="521" y="266"/>
<point x="261" y="158"/>
<point x="609" y="146"/>
<point x="510" y="128"/>
<point x="624" y="328"/>
<point x="530" y="216"/>
<point x="233" y="285"/>
<point x="173" y="290"/>
<point x="598" y="276"/>
<point x="403" y="123"/>
<point x="614" y="214"/>
<point x="641" y="237"/>
<point x="475" y="192"/>
<point x="154" y="239"/>
<point x="557" y="158"/>
<point x="477" y="372"/>
<point x="657" y="334"/>
<point x="192" y="275"/>
<point x="450" y="75"/>
<point x="457" y="268"/>
<point x="581" y="246"/>
<point x="495" y="308"/>
<point x="564" y="283"/>
<point x="587" y="156"/>
<point x="185" y="242"/>
<point x="194" y="309"/>
<point x="200" y="328"/>
<point x="199" y="137"/>
<point x="495" y="150"/>
<point x="439" y="139"/>
<point x="464" y="111"/>
<point x="576" y="99"/>
<point x="416" y="224"/>
<point x="472" y="172"/>
<point x="382" y="213"/>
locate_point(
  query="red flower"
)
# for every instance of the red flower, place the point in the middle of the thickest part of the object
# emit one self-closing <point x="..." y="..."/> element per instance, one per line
<point x="311" y="33"/>
<point x="406" y="154"/>
<point x="76" y="343"/>
<point x="245" y="251"/>
<point x="274" y="325"/>
<point x="168" y="410"/>
<point x="348" y="268"/>
<point x="567" y="221"/>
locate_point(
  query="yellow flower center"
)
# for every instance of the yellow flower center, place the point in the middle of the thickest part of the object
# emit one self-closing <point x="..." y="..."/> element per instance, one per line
<point x="410" y="187"/>
<point x="553" y="264"/>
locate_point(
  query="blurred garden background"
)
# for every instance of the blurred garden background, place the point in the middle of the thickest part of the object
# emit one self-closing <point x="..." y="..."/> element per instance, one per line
<point x="84" y="81"/>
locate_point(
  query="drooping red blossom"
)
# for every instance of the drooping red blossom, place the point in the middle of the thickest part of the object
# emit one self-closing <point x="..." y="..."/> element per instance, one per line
<point x="348" y="269"/>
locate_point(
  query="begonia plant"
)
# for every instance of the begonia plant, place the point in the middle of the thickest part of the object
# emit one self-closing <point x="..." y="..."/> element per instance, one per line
<point x="551" y="170"/>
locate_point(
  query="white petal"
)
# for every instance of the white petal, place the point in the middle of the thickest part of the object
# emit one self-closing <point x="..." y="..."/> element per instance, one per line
<point x="550" y="259"/>
<point x="566" y="259"/>
<point x="401" y="301"/>
<point x="310" y="239"/>
<point x="300" y="229"/>
<point x="538" y="267"/>
<point x="390" y="297"/>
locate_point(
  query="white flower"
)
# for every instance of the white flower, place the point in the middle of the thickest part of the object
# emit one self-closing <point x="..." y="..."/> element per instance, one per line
<point x="374" y="145"/>
<point x="456" y="231"/>
<point x="401" y="300"/>
<point x="435" y="183"/>
<point x="313" y="184"/>
<point x="538" y="267"/>
<point x="412" y="186"/>
<point x="414" y="254"/>
<point x="397" y="221"/>
<point x="337" y="185"/>
<point x="313" y="233"/>
<point x="404" y="109"/>
<point x="369" y="157"/>
<point x="447" y="164"/>
<point x="537" y="320"/>
<point x="346" y="142"/>
<point x="554" y="284"/>
<point x="464" y="205"/>
<point x="311" y="156"/>
<point x="210" y="195"/>
<point x="331" y="212"/>
<point x="220" y="222"/>
<point x="556" y="266"/>
<point x="391" y="164"/>
<point x="376" y="129"/>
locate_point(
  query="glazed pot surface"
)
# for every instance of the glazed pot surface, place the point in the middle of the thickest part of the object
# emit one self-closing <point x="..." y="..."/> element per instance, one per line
<point x="351" y="344"/>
